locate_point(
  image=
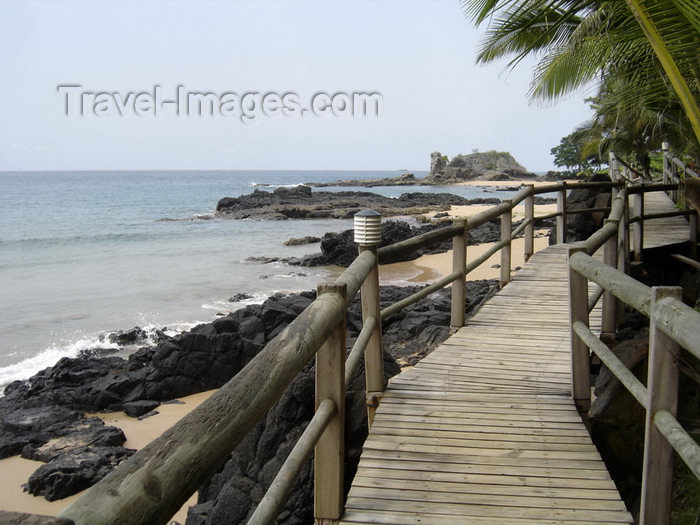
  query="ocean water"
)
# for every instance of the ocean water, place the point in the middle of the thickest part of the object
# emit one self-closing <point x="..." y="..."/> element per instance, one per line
<point x="86" y="253"/>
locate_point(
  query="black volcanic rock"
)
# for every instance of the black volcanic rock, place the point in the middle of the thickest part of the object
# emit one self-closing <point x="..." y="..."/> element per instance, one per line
<point x="580" y="226"/>
<point x="340" y="249"/>
<point x="42" y="417"/>
<point x="68" y="474"/>
<point x="301" y="203"/>
<point x="232" y="494"/>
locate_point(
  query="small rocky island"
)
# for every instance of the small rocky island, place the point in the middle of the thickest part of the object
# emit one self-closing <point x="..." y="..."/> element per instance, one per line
<point x="484" y="166"/>
<point x="300" y="202"/>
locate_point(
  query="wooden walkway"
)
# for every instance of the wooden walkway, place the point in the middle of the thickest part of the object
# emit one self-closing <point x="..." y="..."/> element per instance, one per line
<point x="484" y="430"/>
<point x="662" y="232"/>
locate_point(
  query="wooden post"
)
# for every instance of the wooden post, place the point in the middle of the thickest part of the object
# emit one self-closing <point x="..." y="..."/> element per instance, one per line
<point x="622" y="256"/>
<point x="529" y="204"/>
<point x="693" y="225"/>
<point x="561" y="218"/>
<point x="329" y="454"/>
<point x="506" y="228"/>
<point x="612" y="163"/>
<point x="609" y="315"/>
<point x="638" y="226"/>
<point x="374" y="356"/>
<point x="662" y="386"/>
<point x="666" y="168"/>
<point x="459" y="264"/>
<point x="580" y="357"/>
<point x="626" y="249"/>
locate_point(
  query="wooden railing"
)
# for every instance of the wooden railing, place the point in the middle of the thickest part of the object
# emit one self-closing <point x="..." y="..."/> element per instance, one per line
<point x="672" y="325"/>
<point x="155" y="482"/>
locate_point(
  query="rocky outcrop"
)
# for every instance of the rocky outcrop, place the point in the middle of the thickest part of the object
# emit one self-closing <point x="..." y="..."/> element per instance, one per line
<point x="580" y="226"/>
<point x="490" y="165"/>
<point x="298" y="241"/>
<point x="340" y="249"/>
<point x="301" y="203"/>
<point x="43" y="417"/>
<point x="405" y="179"/>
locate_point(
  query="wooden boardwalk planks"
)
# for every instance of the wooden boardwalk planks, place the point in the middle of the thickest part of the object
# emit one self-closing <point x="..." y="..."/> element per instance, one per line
<point x="665" y="231"/>
<point x="484" y="430"/>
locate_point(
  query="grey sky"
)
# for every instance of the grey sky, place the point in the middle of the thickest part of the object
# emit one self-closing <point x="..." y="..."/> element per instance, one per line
<point x="420" y="55"/>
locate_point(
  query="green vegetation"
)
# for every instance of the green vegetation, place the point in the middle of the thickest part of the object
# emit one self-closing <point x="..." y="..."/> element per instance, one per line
<point x="574" y="154"/>
<point x="643" y="57"/>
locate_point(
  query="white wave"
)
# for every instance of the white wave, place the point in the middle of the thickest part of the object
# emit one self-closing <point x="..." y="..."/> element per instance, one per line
<point x="254" y="184"/>
<point x="49" y="357"/>
<point x="232" y="306"/>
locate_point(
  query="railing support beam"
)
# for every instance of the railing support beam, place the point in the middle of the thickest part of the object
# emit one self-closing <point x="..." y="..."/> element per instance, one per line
<point x="638" y="226"/>
<point x="561" y="218"/>
<point x="329" y="454"/>
<point x="693" y="237"/>
<point x="374" y="357"/>
<point x="609" y="314"/>
<point x="662" y="385"/>
<point x="459" y="264"/>
<point x="529" y="204"/>
<point x="506" y="227"/>
<point x="580" y="356"/>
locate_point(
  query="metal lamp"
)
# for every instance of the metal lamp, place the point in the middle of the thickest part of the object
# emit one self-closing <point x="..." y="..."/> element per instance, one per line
<point x="368" y="228"/>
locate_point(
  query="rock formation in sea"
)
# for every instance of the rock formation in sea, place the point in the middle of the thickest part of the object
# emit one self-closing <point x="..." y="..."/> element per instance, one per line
<point x="300" y="202"/>
<point x="489" y="165"/>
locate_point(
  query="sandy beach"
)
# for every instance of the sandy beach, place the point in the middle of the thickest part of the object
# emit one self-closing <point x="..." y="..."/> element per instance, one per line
<point x="16" y="470"/>
<point x="509" y="183"/>
<point x="428" y="268"/>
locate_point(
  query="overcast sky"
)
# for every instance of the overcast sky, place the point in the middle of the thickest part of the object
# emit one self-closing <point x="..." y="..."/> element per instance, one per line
<point x="419" y="55"/>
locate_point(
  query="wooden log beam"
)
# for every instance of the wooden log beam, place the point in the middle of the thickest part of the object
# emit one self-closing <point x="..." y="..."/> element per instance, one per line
<point x="637" y="225"/>
<point x="506" y="227"/>
<point x="529" y="247"/>
<point x="624" y="287"/>
<point x="682" y="443"/>
<point x="150" y="486"/>
<point x="561" y="217"/>
<point x="276" y="496"/>
<point x="662" y="386"/>
<point x="580" y="357"/>
<point x="329" y="454"/>
<point x="358" y="349"/>
<point x="459" y="264"/>
<point x="617" y="367"/>
<point x="678" y="321"/>
<point x="374" y="354"/>
<point x="609" y="313"/>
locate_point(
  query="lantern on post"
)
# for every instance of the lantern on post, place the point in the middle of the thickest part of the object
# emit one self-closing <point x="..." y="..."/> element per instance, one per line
<point x="368" y="228"/>
<point x="368" y="234"/>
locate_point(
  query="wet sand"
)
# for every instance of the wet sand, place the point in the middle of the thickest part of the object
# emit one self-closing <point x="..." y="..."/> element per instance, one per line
<point x="15" y="471"/>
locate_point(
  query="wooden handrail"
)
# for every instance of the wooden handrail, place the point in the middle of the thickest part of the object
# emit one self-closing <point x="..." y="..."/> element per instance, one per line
<point x="672" y="324"/>
<point x="151" y="485"/>
<point x="609" y="359"/>
<point x="275" y="497"/>
<point x="355" y="355"/>
<point x="155" y="482"/>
